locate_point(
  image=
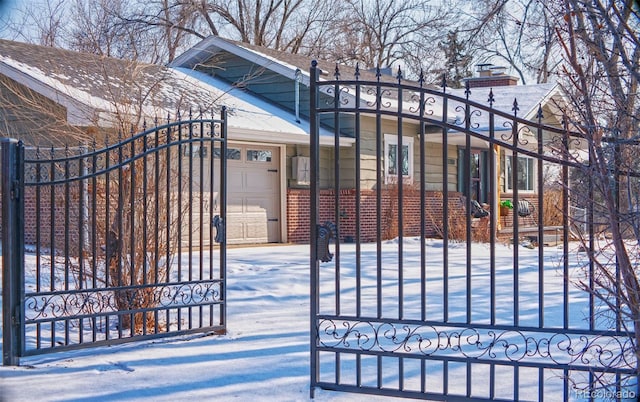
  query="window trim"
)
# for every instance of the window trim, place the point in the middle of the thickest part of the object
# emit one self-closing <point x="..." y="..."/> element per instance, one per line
<point x="508" y="183"/>
<point x="392" y="139"/>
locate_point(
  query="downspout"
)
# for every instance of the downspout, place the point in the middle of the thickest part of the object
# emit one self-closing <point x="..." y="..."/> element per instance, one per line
<point x="298" y="77"/>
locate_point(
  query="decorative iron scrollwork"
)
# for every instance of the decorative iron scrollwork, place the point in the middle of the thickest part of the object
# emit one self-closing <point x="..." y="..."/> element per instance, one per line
<point x="325" y="233"/>
<point x="218" y="223"/>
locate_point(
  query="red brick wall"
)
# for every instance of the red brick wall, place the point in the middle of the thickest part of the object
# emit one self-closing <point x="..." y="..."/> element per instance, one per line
<point x="298" y="213"/>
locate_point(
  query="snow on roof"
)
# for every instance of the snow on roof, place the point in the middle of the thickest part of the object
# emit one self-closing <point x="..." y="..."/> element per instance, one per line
<point x="249" y="112"/>
<point x="528" y="98"/>
<point x="94" y="88"/>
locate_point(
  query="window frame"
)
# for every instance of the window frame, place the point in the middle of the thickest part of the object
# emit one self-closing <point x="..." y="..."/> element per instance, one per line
<point x="531" y="164"/>
<point x="392" y="139"/>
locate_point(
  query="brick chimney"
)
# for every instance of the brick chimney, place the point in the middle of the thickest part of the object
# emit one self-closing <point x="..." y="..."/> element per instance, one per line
<point x="491" y="76"/>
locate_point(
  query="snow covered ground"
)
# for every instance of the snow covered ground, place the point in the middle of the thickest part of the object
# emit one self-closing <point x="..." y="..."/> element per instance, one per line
<point x="265" y="356"/>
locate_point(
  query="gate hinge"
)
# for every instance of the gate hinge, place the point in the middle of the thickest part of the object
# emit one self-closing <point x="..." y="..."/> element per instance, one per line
<point x="325" y="233"/>
<point x="15" y="317"/>
<point x="15" y="190"/>
<point x="218" y="223"/>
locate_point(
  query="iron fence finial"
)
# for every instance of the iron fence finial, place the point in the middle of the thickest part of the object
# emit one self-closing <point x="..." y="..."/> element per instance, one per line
<point x="491" y="99"/>
<point x="336" y="74"/>
<point x="467" y="89"/>
<point x="399" y="75"/>
<point x="357" y="73"/>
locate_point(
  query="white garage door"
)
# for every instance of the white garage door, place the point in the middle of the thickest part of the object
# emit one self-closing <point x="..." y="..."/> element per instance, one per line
<point x="253" y="196"/>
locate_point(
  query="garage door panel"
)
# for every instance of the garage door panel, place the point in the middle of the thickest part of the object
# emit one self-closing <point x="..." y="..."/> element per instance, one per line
<point x="236" y="180"/>
<point x="258" y="181"/>
<point x="235" y="231"/>
<point x="259" y="204"/>
<point x="235" y="204"/>
<point x="253" y="207"/>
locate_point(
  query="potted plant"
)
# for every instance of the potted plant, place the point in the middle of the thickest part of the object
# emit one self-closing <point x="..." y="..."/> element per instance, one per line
<point x="505" y="206"/>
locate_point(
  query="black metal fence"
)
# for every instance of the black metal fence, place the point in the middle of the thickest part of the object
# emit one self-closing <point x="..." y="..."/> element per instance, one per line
<point x="500" y="307"/>
<point x="110" y="245"/>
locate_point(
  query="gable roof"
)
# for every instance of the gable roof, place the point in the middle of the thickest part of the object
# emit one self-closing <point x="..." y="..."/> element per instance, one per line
<point x="94" y="89"/>
<point x="274" y="75"/>
<point x="528" y="98"/>
<point x="283" y="63"/>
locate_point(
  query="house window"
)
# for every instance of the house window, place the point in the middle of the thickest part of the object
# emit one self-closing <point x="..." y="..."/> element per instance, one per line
<point x="525" y="171"/>
<point x="395" y="160"/>
<point x="232" y="154"/>
<point x="199" y="151"/>
<point x="258" y="155"/>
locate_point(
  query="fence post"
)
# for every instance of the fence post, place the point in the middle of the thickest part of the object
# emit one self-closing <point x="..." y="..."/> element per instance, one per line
<point x="12" y="249"/>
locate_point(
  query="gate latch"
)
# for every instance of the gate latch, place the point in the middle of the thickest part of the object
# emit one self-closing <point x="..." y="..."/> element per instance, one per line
<point x="218" y="223"/>
<point x="325" y="233"/>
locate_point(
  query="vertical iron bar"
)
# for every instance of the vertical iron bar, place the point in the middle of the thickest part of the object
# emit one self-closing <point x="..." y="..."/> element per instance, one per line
<point x="492" y="381"/>
<point x="167" y="222"/>
<point x="94" y="232"/>
<point x="107" y="228"/>
<point x="423" y="206"/>
<point x="179" y="209"/>
<point x="81" y="220"/>
<point x="12" y="250"/>
<point x="592" y="245"/>
<point x="314" y="127"/>
<point x="540" y="221"/>
<point x="204" y="150"/>
<point x="445" y="209"/>
<point x="119" y="219"/>
<point x="52" y="238"/>
<point x="179" y="213"/>
<point x="516" y="383"/>
<point x="423" y="219"/>
<point x="38" y="218"/>
<point x="467" y="183"/>
<point x="132" y="227"/>
<point x="358" y="202"/>
<point x="379" y="184"/>
<point x="516" y="219"/>
<point x="52" y="222"/>
<point x="336" y="195"/>
<point x="616" y="191"/>
<point x="67" y="229"/>
<point x="565" y="227"/>
<point x="81" y="231"/>
<point x="156" y="218"/>
<point x="400" y="183"/>
<point x="38" y="224"/>
<point x="145" y="214"/>
<point x="145" y="220"/>
<point x="223" y="214"/>
<point x="212" y="164"/>
<point x="495" y="215"/>
<point x="190" y="206"/>
<point x="190" y="211"/>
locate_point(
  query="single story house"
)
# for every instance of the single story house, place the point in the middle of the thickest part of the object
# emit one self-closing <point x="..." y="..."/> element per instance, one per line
<point x="52" y="97"/>
<point x="282" y="79"/>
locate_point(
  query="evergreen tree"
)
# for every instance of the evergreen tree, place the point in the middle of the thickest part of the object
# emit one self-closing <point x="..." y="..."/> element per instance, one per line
<point x="456" y="58"/>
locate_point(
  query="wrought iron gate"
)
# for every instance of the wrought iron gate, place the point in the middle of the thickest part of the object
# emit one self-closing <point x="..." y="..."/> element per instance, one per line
<point x="122" y="243"/>
<point x="411" y="293"/>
